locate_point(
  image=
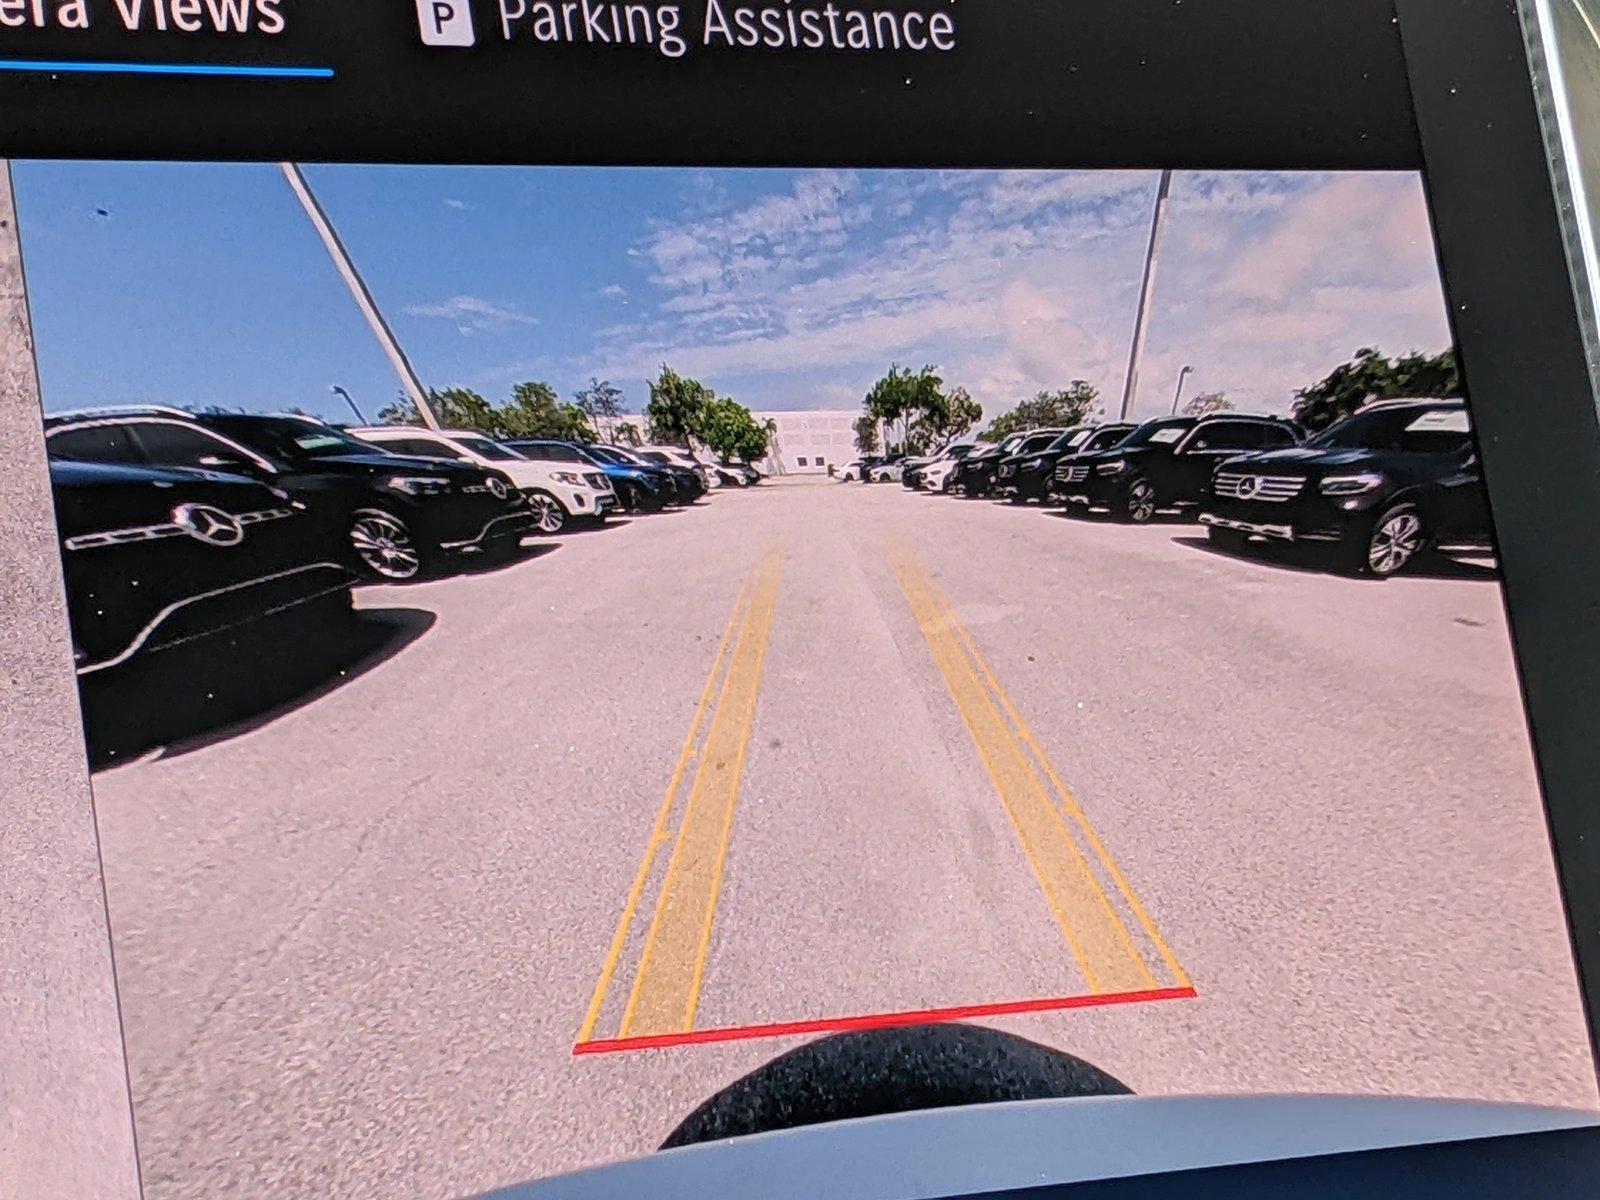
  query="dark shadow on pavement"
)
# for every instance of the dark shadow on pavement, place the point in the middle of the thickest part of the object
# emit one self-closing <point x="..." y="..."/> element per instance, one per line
<point x="1318" y="560"/>
<point x="478" y="564"/>
<point x="208" y="691"/>
<point x="574" y="528"/>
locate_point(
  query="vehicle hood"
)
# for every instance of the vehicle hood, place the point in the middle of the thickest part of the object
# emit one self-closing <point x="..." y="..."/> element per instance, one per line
<point x="381" y="463"/>
<point x="1310" y="457"/>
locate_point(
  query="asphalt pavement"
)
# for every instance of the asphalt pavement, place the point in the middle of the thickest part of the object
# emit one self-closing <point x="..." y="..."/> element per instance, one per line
<point x="550" y="852"/>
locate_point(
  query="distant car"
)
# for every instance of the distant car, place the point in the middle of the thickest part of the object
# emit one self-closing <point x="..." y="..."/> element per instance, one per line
<point x="975" y="475"/>
<point x="885" y="472"/>
<point x="402" y="516"/>
<point x="155" y="557"/>
<point x="555" y="493"/>
<point x="1397" y="478"/>
<point x="1071" y="464"/>
<point x="688" y="483"/>
<point x="710" y="475"/>
<point x="852" y="472"/>
<point x="638" y="488"/>
<point x="1027" y="462"/>
<point x="916" y="471"/>
<point x="1166" y="464"/>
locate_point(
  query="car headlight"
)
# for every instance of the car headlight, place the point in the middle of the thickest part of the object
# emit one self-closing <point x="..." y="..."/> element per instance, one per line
<point x="418" y="485"/>
<point x="570" y="478"/>
<point x="1115" y="467"/>
<point x="1350" y="485"/>
<point x="1032" y="464"/>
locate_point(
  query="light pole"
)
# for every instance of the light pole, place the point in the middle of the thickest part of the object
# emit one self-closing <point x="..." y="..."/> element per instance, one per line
<point x="1178" y="395"/>
<point x="360" y="420"/>
<point x="360" y="293"/>
<point x="1141" y="321"/>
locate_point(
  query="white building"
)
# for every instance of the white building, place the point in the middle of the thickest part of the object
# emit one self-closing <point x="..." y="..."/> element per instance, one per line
<point x="809" y="441"/>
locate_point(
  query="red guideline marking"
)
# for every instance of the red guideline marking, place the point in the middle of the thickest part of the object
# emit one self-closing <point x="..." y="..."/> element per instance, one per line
<point x="927" y="1016"/>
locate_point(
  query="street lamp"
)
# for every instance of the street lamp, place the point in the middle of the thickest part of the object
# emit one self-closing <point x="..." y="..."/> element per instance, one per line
<point x="360" y="420"/>
<point x="1178" y="395"/>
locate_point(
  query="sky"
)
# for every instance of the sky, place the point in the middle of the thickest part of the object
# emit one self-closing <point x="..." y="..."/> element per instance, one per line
<point x="195" y="284"/>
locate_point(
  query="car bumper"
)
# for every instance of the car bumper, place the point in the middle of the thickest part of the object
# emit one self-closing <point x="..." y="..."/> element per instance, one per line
<point x="1303" y="521"/>
<point x="510" y="524"/>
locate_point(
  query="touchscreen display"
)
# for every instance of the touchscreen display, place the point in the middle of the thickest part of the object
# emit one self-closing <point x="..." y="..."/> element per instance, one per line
<point x="552" y="639"/>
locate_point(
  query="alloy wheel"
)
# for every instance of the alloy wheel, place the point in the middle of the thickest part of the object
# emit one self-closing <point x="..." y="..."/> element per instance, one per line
<point x="1395" y="542"/>
<point x="1141" y="501"/>
<point x="548" y="514"/>
<point x="383" y="544"/>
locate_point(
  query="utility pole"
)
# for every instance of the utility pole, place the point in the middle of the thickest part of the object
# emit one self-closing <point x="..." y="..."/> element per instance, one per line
<point x="1142" y="320"/>
<point x="1178" y="395"/>
<point x="363" y="296"/>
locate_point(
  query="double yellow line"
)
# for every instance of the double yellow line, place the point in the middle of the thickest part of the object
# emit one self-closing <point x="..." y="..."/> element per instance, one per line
<point x="1088" y="895"/>
<point x="671" y="965"/>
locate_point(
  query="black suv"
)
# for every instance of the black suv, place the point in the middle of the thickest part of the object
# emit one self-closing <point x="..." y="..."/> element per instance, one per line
<point x="659" y="485"/>
<point x="1072" y="466"/>
<point x="400" y="516"/>
<point x="1026" y="451"/>
<point x="1165" y="465"/>
<point x="154" y="557"/>
<point x="1028" y="473"/>
<point x="1395" y="479"/>
<point x="975" y="474"/>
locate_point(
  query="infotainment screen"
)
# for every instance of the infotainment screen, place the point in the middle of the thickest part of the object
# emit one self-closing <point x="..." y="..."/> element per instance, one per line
<point x="598" y="545"/>
<point x="791" y="616"/>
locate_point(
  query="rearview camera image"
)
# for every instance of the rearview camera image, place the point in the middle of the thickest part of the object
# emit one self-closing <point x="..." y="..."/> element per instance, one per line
<point x="551" y="640"/>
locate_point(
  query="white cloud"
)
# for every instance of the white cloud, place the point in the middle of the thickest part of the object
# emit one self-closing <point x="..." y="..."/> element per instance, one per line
<point x="458" y="205"/>
<point x="613" y="291"/>
<point x="473" y="314"/>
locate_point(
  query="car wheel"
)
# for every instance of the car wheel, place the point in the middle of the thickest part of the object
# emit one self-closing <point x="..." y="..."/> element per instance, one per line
<point x="383" y="545"/>
<point x="1139" y="502"/>
<point x="1223" y="538"/>
<point x="548" y="515"/>
<point x="1396" y="539"/>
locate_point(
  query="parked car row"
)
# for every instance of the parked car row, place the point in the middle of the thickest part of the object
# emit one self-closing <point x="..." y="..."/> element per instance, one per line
<point x="176" y="525"/>
<point x="1397" y="479"/>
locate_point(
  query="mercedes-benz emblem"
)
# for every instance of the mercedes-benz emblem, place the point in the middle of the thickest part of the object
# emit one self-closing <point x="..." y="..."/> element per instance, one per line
<point x="209" y="525"/>
<point x="1249" y="485"/>
<point x="497" y="489"/>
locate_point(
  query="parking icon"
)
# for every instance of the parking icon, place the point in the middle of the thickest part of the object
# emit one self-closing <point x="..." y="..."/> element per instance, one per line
<point x="446" y="22"/>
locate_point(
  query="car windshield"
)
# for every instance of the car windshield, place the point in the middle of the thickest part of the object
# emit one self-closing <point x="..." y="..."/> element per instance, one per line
<point x="1163" y="432"/>
<point x="289" y="438"/>
<point x="1104" y="439"/>
<point x="1073" y="439"/>
<point x="484" y="448"/>
<point x="1385" y="428"/>
<point x="654" y="456"/>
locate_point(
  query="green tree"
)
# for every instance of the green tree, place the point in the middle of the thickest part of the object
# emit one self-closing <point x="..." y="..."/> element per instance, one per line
<point x="625" y="433"/>
<point x="1208" y="402"/>
<point x="1370" y="376"/>
<point x="730" y="431"/>
<point x="678" y="408"/>
<point x="904" y="397"/>
<point x="866" y="427"/>
<point x="1068" y="406"/>
<point x="600" y="403"/>
<point x="535" y="410"/>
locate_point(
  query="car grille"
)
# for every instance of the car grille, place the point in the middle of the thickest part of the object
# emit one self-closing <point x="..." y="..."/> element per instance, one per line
<point x="1247" y="485"/>
<point x="1072" y="474"/>
<point x="1007" y="471"/>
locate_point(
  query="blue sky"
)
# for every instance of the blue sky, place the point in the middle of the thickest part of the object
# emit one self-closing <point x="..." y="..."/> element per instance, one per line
<point x="205" y="284"/>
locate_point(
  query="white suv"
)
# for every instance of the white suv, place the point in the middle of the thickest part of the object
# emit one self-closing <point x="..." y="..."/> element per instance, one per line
<point x="556" y="492"/>
<point x="936" y="475"/>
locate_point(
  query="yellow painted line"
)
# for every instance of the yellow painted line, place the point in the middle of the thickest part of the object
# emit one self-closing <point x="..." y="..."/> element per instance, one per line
<point x="667" y="985"/>
<point x="1096" y="937"/>
<point x="1068" y="801"/>
<point x="658" y="832"/>
<point x="1020" y="729"/>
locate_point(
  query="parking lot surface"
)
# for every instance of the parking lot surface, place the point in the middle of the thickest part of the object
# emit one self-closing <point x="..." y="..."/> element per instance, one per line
<point x="557" y="849"/>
